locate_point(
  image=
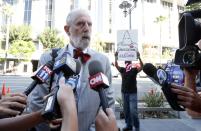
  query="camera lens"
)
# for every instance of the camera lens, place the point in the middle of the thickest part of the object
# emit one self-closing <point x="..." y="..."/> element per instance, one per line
<point x="189" y="57"/>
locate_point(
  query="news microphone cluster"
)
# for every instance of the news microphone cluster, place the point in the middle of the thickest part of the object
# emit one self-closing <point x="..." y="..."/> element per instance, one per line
<point x="69" y="68"/>
<point x="159" y="76"/>
<point x="98" y="82"/>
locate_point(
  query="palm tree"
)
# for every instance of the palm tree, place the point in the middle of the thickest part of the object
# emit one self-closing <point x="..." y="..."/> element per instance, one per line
<point x="7" y="12"/>
<point x="159" y="20"/>
<point x="194" y="6"/>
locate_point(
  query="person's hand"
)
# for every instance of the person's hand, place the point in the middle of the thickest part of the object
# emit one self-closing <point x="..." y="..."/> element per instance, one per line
<point x="66" y="100"/>
<point x="54" y="124"/>
<point x="12" y="104"/>
<point x="104" y="122"/>
<point x="187" y="97"/>
<point x="190" y="72"/>
<point x="65" y="93"/>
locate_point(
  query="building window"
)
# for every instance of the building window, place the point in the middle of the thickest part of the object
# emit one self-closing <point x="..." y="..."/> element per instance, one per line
<point x="3" y="45"/>
<point x="180" y="8"/>
<point x="37" y="45"/>
<point x="72" y="5"/>
<point x="150" y="1"/>
<point x="50" y="13"/>
<point x="89" y="5"/>
<point x="11" y="2"/>
<point x="167" y="5"/>
<point x="25" y="67"/>
<point x="110" y="31"/>
<point x="27" y="12"/>
<point x="110" y="16"/>
<point x="109" y="47"/>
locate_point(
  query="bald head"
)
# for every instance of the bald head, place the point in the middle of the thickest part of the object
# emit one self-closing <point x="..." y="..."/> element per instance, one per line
<point x="78" y="27"/>
<point x="74" y="14"/>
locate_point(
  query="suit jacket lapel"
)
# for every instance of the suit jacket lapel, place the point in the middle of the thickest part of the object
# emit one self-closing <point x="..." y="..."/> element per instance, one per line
<point x="60" y="52"/>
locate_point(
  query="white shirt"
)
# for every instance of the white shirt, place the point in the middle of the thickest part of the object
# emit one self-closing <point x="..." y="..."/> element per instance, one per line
<point x="70" y="49"/>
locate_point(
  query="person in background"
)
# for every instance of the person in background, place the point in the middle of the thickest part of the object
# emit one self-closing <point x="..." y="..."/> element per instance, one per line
<point x="129" y="92"/>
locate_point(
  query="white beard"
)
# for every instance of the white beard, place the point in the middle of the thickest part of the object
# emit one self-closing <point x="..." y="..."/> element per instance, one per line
<point x="80" y="43"/>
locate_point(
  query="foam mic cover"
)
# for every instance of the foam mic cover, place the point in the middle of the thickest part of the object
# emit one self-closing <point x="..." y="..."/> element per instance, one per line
<point x="149" y="69"/>
<point x="98" y="82"/>
<point x="95" y="67"/>
<point x="151" y="72"/>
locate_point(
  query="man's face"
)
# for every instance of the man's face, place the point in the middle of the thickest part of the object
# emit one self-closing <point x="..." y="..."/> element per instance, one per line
<point x="80" y="31"/>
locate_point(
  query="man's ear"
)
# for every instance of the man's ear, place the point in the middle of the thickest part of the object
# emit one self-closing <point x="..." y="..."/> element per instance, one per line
<point x="66" y="28"/>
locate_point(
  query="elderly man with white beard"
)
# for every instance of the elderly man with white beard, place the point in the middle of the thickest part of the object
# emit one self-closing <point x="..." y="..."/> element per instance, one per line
<point x="78" y="28"/>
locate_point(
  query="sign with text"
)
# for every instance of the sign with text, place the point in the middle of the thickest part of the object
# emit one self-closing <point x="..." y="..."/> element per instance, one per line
<point x="127" y="46"/>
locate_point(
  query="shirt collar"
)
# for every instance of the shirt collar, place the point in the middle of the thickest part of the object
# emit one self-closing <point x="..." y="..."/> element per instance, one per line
<point x="71" y="48"/>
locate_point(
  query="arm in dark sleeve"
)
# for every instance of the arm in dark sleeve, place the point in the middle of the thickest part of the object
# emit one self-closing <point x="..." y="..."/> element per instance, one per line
<point x="22" y="122"/>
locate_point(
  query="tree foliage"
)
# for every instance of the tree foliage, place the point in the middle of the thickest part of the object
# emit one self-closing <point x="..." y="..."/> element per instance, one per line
<point x="160" y="19"/>
<point x="6" y="8"/>
<point x="22" y="32"/>
<point x="22" y="49"/>
<point x="194" y="6"/>
<point x="50" y="39"/>
<point x="21" y="44"/>
<point x="98" y="43"/>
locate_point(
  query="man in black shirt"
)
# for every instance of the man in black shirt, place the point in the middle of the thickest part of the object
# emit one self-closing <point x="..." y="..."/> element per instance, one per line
<point x="129" y="92"/>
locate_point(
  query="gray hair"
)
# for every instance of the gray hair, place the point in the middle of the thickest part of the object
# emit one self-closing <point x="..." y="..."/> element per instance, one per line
<point x="74" y="14"/>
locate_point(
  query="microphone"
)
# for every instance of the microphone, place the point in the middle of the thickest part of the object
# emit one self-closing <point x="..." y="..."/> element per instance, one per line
<point x="69" y="68"/>
<point x="67" y="65"/>
<point x="40" y="76"/>
<point x="98" y="82"/>
<point x="159" y="76"/>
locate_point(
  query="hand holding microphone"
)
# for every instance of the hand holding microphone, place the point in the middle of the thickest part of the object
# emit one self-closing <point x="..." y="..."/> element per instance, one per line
<point x="98" y="82"/>
<point x="66" y="100"/>
<point x="105" y="122"/>
<point x="159" y="76"/>
<point x="187" y="97"/>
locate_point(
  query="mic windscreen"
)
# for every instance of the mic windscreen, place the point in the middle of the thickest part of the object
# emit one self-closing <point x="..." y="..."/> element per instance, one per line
<point x="149" y="69"/>
<point x="95" y="67"/>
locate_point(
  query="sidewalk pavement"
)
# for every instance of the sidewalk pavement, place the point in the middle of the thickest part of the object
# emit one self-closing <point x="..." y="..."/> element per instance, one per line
<point x="167" y="124"/>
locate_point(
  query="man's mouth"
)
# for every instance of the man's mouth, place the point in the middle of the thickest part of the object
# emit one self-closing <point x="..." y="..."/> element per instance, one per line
<point x="86" y="37"/>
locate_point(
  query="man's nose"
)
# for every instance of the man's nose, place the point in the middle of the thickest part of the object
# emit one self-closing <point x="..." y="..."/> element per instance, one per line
<point x="86" y="27"/>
